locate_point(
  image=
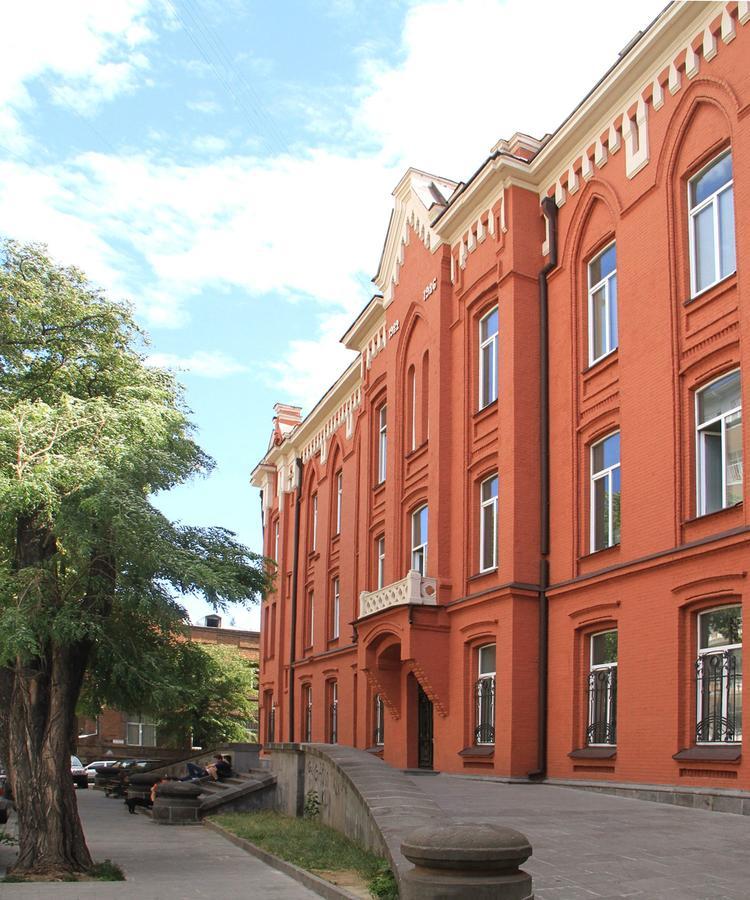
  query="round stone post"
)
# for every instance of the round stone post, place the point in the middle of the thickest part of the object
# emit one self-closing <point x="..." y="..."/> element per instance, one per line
<point x="177" y="803"/>
<point x="459" y="861"/>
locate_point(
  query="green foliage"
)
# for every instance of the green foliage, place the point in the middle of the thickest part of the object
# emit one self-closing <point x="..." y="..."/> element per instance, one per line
<point x="312" y="805"/>
<point x="384" y="885"/>
<point x="310" y="845"/>
<point x="88" y="435"/>
<point x="107" y="871"/>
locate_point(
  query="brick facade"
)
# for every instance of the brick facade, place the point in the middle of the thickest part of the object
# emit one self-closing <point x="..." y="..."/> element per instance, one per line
<point x="620" y="170"/>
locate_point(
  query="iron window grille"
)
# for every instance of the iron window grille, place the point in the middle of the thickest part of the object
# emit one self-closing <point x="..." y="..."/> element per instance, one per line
<point x="307" y="731"/>
<point x="602" y="304"/>
<point x="333" y="713"/>
<point x="719" y="677"/>
<point x="484" y="696"/>
<point x="379" y="736"/>
<point x="602" y="690"/>
<point x="718" y="416"/>
<point x="712" y="245"/>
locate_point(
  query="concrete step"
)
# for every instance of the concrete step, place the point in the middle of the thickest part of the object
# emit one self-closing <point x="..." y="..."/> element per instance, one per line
<point x="245" y="792"/>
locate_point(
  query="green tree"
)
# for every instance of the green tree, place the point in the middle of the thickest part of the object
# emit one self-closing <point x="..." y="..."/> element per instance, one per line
<point x="89" y="568"/>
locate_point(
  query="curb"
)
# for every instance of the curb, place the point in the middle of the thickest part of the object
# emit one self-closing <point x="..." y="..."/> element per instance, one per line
<point x="321" y="887"/>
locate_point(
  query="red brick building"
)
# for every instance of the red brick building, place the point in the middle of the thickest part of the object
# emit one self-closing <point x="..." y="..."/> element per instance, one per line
<point x="125" y="734"/>
<point x="512" y="538"/>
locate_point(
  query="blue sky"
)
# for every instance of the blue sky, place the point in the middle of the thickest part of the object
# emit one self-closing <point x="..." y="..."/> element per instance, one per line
<point x="227" y="166"/>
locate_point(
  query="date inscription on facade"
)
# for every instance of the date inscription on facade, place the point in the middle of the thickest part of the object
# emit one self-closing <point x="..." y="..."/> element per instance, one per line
<point x="430" y="289"/>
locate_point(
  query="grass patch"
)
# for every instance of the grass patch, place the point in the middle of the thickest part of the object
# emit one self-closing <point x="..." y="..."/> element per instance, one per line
<point x="310" y="845"/>
<point x="103" y="871"/>
<point x="106" y="871"/>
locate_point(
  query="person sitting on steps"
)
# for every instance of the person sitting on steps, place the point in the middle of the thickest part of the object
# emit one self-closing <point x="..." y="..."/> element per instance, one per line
<point x="218" y="770"/>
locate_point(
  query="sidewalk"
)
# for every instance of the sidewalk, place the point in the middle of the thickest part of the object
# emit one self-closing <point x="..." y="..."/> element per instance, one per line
<point x="161" y="862"/>
<point x="591" y="846"/>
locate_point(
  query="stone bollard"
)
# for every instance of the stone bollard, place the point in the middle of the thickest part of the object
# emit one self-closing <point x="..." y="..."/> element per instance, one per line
<point x="177" y="803"/>
<point x="139" y="790"/>
<point x="459" y="861"/>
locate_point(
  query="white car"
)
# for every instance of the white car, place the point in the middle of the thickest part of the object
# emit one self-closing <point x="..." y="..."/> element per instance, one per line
<point x="91" y="767"/>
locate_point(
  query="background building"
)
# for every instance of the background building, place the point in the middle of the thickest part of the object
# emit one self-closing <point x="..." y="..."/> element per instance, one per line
<point x="512" y="538"/>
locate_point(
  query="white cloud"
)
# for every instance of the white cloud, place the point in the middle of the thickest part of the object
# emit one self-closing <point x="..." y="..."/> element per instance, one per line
<point x="475" y="71"/>
<point x="203" y="106"/>
<point x="209" y="143"/>
<point x="209" y="364"/>
<point x="87" y="49"/>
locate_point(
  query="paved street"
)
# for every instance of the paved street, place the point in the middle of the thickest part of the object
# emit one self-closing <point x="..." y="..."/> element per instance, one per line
<point x="589" y="846"/>
<point x="160" y="862"/>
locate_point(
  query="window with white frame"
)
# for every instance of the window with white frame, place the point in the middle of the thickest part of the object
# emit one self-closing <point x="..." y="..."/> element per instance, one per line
<point x="339" y="500"/>
<point x="314" y="522"/>
<point x="605" y="492"/>
<point x="419" y="540"/>
<point x="602" y="304"/>
<point x="602" y="689"/>
<point x="488" y="524"/>
<point x="382" y="442"/>
<point x="335" y="608"/>
<point x="719" y="676"/>
<point x="711" y="203"/>
<point x="141" y="730"/>
<point x="488" y="358"/>
<point x="718" y="415"/>
<point x="380" y="546"/>
<point x="333" y="711"/>
<point x="276" y="541"/>
<point x="484" y="692"/>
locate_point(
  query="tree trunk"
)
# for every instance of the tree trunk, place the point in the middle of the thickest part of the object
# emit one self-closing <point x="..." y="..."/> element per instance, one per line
<point x="43" y="697"/>
<point x="39" y="698"/>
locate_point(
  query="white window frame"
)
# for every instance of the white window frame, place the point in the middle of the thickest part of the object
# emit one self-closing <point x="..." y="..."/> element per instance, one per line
<point x="333" y="723"/>
<point x="336" y="608"/>
<point x="606" y="283"/>
<point x="422" y="547"/>
<point x="308" y="712"/>
<point x="311" y="622"/>
<point x="597" y="476"/>
<point x="483" y="504"/>
<point x="380" y="549"/>
<point x="486" y="676"/>
<point x="489" y="342"/>
<point x="710" y="651"/>
<point x="140" y="722"/>
<point x="700" y="452"/>
<point x="315" y="522"/>
<point x="693" y="212"/>
<point x="382" y="443"/>
<point x="276" y="541"/>
<point x="379" y="720"/>
<point x="414" y="408"/>
<point x="598" y="667"/>
<point x="339" y="499"/>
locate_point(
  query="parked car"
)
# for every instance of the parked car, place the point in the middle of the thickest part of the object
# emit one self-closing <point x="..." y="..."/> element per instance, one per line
<point x="80" y="775"/>
<point x="102" y="763"/>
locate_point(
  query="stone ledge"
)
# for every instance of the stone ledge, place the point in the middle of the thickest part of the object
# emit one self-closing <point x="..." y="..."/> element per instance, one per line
<point x="710" y="754"/>
<point x="594" y="753"/>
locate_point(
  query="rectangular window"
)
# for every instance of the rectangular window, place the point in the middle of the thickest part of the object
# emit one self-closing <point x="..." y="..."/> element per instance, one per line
<point x="310" y="619"/>
<point x="419" y="540"/>
<point x="488" y="358"/>
<point x="718" y="414"/>
<point x="605" y="493"/>
<point x="271" y="718"/>
<point x="719" y="676"/>
<point x="488" y="524"/>
<point x="276" y="542"/>
<point x="413" y="401"/>
<point x="711" y="203"/>
<point x="339" y="500"/>
<point x="602" y="304"/>
<point x="379" y="736"/>
<point x="380" y="544"/>
<point x="335" y="609"/>
<point x="307" y="709"/>
<point x="333" y="712"/>
<point x="314" y="522"/>
<point x="484" y="730"/>
<point x="382" y="442"/>
<point x="141" y="731"/>
<point x="602" y="726"/>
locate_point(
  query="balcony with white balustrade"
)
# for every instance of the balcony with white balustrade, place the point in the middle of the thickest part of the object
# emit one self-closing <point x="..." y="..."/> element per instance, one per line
<point x="415" y="588"/>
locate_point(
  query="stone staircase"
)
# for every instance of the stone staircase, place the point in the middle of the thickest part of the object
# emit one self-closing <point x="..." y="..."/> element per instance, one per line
<point x="244" y="791"/>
